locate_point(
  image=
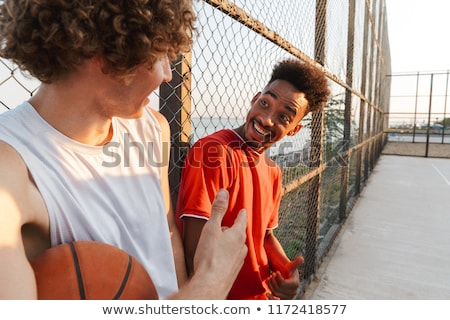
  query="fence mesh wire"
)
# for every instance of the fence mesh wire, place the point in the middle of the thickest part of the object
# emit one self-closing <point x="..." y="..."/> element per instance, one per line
<point x="326" y="165"/>
<point x="419" y="117"/>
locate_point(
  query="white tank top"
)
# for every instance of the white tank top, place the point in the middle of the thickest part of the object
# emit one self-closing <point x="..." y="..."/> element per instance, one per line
<point x="108" y="193"/>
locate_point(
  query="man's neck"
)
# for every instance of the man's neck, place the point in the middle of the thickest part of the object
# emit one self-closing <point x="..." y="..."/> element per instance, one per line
<point x="72" y="114"/>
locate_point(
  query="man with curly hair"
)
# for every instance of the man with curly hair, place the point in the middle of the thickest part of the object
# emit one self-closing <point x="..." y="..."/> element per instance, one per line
<point x="60" y="180"/>
<point x="236" y="160"/>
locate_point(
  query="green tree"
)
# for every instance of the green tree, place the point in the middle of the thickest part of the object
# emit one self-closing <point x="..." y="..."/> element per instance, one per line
<point x="333" y="118"/>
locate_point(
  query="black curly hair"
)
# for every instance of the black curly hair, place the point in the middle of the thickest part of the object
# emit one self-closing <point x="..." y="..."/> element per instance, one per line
<point x="306" y="78"/>
<point x="49" y="38"/>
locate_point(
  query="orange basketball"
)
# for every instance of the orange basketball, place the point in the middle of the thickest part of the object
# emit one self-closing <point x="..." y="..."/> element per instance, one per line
<point x="91" y="270"/>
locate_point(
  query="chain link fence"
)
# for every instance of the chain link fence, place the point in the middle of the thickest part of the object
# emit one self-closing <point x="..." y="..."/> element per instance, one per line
<point x="327" y="163"/>
<point x="419" y="117"/>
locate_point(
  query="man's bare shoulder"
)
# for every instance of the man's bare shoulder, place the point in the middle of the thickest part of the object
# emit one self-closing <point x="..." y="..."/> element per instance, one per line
<point x="17" y="189"/>
<point x="19" y="228"/>
<point x="12" y="167"/>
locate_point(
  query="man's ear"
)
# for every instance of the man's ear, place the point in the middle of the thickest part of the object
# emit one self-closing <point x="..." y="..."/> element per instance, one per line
<point x="296" y="129"/>
<point x="98" y="63"/>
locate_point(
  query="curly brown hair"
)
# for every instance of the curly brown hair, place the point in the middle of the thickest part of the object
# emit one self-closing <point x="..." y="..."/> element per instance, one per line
<point x="50" y="38"/>
<point x="306" y="78"/>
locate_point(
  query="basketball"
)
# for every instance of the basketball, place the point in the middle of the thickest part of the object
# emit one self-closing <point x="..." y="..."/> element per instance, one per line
<point x="89" y="270"/>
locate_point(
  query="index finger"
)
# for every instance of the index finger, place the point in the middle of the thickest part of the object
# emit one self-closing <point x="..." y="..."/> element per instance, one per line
<point x="240" y="224"/>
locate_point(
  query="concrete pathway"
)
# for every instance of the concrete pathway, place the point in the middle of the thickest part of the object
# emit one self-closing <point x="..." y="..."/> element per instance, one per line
<point x="396" y="242"/>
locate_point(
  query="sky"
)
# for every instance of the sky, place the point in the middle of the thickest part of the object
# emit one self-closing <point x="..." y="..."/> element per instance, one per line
<point x="419" y="35"/>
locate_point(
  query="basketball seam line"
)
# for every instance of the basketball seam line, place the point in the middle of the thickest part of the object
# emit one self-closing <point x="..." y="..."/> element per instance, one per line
<point x="125" y="279"/>
<point x="78" y="271"/>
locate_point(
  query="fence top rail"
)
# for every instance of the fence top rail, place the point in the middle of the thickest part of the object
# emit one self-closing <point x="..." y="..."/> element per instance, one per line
<point x="418" y="73"/>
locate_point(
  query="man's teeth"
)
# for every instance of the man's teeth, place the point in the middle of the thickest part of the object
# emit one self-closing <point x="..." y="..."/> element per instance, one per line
<point x="260" y="130"/>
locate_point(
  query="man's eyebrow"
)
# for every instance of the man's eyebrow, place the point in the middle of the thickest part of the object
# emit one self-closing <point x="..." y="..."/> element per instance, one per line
<point x="293" y="110"/>
<point x="271" y="93"/>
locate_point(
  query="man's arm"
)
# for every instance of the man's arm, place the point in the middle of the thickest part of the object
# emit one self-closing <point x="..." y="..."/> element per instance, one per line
<point x="284" y="280"/>
<point x="204" y="173"/>
<point x="177" y="247"/>
<point x="16" y="275"/>
<point x="192" y="230"/>
<point x="219" y="256"/>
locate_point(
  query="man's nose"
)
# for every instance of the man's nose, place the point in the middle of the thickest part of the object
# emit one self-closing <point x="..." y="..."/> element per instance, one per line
<point x="267" y="119"/>
<point x="167" y="70"/>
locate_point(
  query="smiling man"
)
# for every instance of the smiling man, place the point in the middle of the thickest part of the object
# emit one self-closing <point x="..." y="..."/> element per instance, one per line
<point x="236" y="160"/>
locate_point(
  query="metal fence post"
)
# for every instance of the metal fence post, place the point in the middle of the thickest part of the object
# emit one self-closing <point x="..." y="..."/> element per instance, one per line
<point x="316" y="152"/>
<point x="175" y="105"/>
<point x="429" y="116"/>
<point x="348" y="112"/>
<point x="360" y="166"/>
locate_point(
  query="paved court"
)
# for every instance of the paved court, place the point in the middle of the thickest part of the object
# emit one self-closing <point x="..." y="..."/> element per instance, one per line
<point x="396" y="242"/>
